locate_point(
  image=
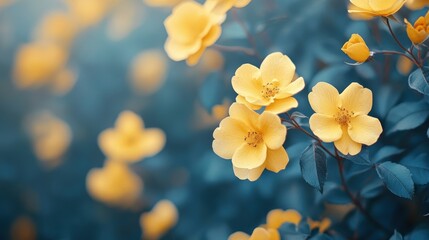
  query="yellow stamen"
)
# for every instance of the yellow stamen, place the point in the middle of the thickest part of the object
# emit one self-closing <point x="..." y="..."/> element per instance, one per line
<point x="343" y="116"/>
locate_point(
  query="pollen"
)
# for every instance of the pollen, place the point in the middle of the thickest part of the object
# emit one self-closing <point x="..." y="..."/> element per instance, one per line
<point x="343" y="116"/>
<point x="270" y="90"/>
<point x="253" y="138"/>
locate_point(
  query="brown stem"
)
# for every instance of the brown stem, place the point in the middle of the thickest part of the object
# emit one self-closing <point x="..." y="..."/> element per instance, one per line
<point x="400" y="44"/>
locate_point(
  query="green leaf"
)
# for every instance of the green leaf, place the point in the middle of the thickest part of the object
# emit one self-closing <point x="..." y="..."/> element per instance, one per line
<point x="406" y="116"/>
<point x="419" y="80"/>
<point x="313" y="166"/>
<point x="397" y="179"/>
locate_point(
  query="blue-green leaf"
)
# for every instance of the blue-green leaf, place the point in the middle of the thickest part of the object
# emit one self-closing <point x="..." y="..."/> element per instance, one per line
<point x="385" y="152"/>
<point x="406" y="116"/>
<point x="419" y="168"/>
<point x="419" y="80"/>
<point x="397" y="179"/>
<point x="313" y="166"/>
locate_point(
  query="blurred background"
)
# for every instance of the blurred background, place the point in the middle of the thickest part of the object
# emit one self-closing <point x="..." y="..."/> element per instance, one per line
<point x="69" y="68"/>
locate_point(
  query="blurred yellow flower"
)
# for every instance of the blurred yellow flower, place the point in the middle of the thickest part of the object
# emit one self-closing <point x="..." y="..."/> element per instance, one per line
<point x="322" y="225"/>
<point x="356" y="48"/>
<point x="416" y="4"/>
<point x="51" y="138"/>
<point x="163" y="3"/>
<point x="129" y="141"/>
<point x="253" y="141"/>
<point x="404" y="65"/>
<point x="89" y="12"/>
<point x="114" y="184"/>
<point x="223" y="6"/>
<point x="36" y="63"/>
<point x="148" y="71"/>
<point x="272" y="86"/>
<point x="63" y="81"/>
<point x="191" y="29"/>
<point x="204" y="119"/>
<point x="342" y="118"/>
<point x="23" y="228"/>
<point x="161" y="219"/>
<point x="277" y="217"/>
<point x="125" y="18"/>
<point x="418" y="32"/>
<point x="383" y="8"/>
<point x="58" y="27"/>
<point x="258" y="234"/>
<point x="211" y="61"/>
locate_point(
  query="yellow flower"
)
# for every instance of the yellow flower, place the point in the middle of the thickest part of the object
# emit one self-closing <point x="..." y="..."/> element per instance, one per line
<point x="161" y="219"/>
<point x="163" y="3"/>
<point x="114" y="184"/>
<point x="375" y="8"/>
<point x="416" y="4"/>
<point x="148" y="71"/>
<point x="342" y="118"/>
<point x="36" y="63"/>
<point x="418" y="32"/>
<point x="356" y="48"/>
<point x="191" y="29"/>
<point x="51" y="138"/>
<point x="58" y="27"/>
<point x="272" y="86"/>
<point x="258" y="234"/>
<point x="223" y="6"/>
<point x="129" y="141"/>
<point x="253" y="141"/>
<point x="277" y="217"/>
<point x="321" y="225"/>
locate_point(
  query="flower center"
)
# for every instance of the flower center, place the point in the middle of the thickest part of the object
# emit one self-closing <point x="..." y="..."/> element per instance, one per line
<point x="270" y="89"/>
<point x="253" y="138"/>
<point x="343" y="116"/>
<point x="129" y="139"/>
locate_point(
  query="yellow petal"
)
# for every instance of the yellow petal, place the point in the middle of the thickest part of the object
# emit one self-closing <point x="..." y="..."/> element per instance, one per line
<point x="282" y="105"/>
<point x="240" y="99"/>
<point x="365" y="129"/>
<point x="346" y="145"/>
<point x="157" y="222"/>
<point x="325" y="127"/>
<point x="194" y="58"/>
<point x="324" y="99"/>
<point x="188" y="21"/>
<point x="247" y="81"/>
<point x="276" y="218"/>
<point x="260" y="234"/>
<point x="241" y="3"/>
<point x="249" y="157"/>
<point x="277" y="66"/>
<point x="272" y="130"/>
<point x="153" y="143"/>
<point x="249" y="174"/>
<point x="228" y="137"/>
<point x="292" y="88"/>
<point x="178" y="51"/>
<point x="239" y="236"/>
<point x="129" y="122"/>
<point x="277" y="160"/>
<point x="244" y="114"/>
<point x="357" y="99"/>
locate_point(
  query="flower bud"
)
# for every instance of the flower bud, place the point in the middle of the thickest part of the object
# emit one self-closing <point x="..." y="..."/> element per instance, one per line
<point x="356" y="48"/>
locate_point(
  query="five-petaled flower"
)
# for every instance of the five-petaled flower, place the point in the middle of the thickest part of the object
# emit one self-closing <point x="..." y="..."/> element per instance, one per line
<point x="253" y="141"/>
<point x="343" y="118"/>
<point x="271" y="86"/>
<point x="191" y="29"/>
<point x="367" y="9"/>
<point x="418" y="32"/>
<point x="129" y="141"/>
<point x="356" y="48"/>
